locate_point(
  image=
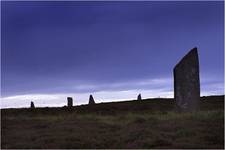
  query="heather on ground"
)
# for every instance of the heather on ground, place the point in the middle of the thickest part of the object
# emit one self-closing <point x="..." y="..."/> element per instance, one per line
<point x="151" y="123"/>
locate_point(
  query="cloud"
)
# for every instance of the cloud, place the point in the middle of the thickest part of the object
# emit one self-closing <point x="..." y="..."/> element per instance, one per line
<point x="212" y="85"/>
<point x="58" y="100"/>
<point x="149" y="88"/>
<point x="159" y="83"/>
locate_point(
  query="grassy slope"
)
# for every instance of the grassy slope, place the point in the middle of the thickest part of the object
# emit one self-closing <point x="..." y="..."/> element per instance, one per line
<point x="131" y="124"/>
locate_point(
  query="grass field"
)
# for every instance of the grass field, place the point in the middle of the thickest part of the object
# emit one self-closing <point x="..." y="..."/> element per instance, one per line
<point x="152" y="123"/>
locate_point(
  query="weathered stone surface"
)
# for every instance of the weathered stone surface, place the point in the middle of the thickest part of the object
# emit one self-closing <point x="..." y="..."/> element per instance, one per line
<point x="32" y="105"/>
<point x="91" y="100"/>
<point x="186" y="82"/>
<point x="139" y="97"/>
<point x="69" y="101"/>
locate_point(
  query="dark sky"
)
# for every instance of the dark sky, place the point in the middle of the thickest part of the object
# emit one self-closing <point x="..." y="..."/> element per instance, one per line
<point x="60" y="47"/>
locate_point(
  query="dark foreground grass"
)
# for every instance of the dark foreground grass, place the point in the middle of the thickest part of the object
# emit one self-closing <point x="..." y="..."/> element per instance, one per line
<point x="140" y="128"/>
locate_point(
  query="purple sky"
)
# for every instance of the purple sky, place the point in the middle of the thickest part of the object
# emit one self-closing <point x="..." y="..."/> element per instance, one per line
<point x="88" y="47"/>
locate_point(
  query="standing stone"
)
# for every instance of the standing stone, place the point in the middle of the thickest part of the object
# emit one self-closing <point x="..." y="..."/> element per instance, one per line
<point x="69" y="101"/>
<point x="139" y="97"/>
<point x="91" y="100"/>
<point x="32" y="105"/>
<point x="186" y="82"/>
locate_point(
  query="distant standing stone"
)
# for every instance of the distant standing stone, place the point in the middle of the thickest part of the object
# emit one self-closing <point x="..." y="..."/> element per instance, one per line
<point x="186" y="82"/>
<point x="69" y="101"/>
<point x="91" y="100"/>
<point x="139" y="97"/>
<point x="32" y="105"/>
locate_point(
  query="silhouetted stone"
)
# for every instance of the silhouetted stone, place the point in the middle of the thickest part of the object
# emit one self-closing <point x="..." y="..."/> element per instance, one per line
<point x="69" y="101"/>
<point x="139" y="97"/>
<point x="91" y="100"/>
<point x="32" y="105"/>
<point x="186" y="82"/>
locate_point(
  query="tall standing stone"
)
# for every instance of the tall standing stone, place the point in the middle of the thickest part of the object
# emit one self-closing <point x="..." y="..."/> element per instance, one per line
<point x="69" y="101"/>
<point x="32" y="105"/>
<point x="91" y="100"/>
<point x="186" y="82"/>
<point x="139" y="97"/>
